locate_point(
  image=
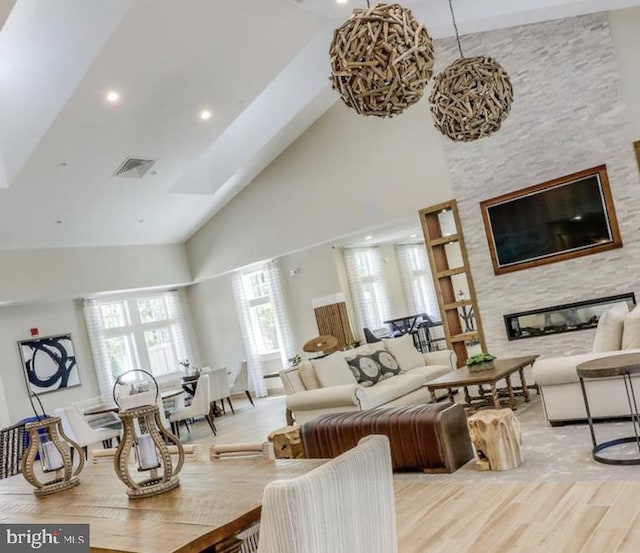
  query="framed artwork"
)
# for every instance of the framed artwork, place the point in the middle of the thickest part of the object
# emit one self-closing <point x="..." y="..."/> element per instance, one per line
<point x="49" y="363"/>
<point x="556" y="220"/>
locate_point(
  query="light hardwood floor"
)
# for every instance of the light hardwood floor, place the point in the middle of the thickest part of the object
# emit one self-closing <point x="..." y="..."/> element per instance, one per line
<point x="439" y="516"/>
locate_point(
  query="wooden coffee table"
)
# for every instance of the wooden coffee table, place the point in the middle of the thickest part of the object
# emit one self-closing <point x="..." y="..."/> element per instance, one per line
<point x="504" y="368"/>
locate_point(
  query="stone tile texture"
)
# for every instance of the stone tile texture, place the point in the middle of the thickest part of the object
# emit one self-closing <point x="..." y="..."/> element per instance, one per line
<point x="568" y="114"/>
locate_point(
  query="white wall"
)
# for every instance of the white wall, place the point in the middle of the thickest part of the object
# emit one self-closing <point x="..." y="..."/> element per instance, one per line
<point x="345" y="174"/>
<point x="316" y="278"/>
<point x="54" y="274"/>
<point x="50" y="318"/>
<point x="625" y="32"/>
<point x="216" y="324"/>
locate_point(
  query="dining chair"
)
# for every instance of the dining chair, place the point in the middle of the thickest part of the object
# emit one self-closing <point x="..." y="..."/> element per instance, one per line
<point x="199" y="407"/>
<point x="144" y="398"/>
<point x="241" y="383"/>
<point x="79" y="430"/>
<point x="346" y="505"/>
<point x="12" y="446"/>
<point x="219" y="388"/>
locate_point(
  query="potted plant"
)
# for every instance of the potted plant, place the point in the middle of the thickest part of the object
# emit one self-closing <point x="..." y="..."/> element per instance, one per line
<point x="480" y="362"/>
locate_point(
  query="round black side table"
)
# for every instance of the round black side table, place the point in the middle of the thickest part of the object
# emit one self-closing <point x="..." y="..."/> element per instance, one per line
<point x="625" y="366"/>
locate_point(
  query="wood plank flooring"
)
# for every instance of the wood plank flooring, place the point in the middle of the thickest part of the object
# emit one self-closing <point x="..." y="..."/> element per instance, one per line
<point x="440" y="516"/>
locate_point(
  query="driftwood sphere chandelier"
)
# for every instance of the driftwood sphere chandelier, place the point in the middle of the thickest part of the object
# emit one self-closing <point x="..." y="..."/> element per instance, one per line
<point x="381" y="59"/>
<point x="471" y="98"/>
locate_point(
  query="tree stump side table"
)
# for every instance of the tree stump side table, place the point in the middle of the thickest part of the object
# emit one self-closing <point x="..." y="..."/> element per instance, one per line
<point x="495" y="433"/>
<point x="624" y="365"/>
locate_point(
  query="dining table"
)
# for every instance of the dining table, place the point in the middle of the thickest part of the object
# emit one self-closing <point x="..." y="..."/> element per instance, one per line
<point x="215" y="500"/>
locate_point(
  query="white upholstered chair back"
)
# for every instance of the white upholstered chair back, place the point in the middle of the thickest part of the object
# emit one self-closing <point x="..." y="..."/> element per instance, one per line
<point x="143" y="398"/>
<point x="79" y="430"/>
<point x="344" y="506"/>
<point x="218" y="382"/>
<point x="241" y="383"/>
<point x="199" y="405"/>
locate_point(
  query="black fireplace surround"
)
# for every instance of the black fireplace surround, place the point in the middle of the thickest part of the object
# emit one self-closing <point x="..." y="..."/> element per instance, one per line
<point x="556" y="319"/>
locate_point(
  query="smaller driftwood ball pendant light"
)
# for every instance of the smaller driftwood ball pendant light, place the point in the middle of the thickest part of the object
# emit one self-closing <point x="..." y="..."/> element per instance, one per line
<point x="381" y="60"/>
<point x="55" y="471"/>
<point x="471" y="97"/>
<point x="144" y="434"/>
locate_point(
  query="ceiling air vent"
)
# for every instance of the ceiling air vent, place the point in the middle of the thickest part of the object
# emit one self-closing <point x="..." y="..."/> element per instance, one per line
<point x="134" y="168"/>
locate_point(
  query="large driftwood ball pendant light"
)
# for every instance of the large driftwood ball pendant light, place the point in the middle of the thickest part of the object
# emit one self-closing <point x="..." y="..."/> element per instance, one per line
<point x="471" y="97"/>
<point x="381" y="60"/>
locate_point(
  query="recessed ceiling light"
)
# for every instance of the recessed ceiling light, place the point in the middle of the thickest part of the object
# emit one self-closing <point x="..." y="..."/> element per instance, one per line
<point x="113" y="96"/>
<point x="368" y="237"/>
<point x="341" y="1"/>
<point x="205" y="114"/>
<point x="59" y="222"/>
<point x="413" y="235"/>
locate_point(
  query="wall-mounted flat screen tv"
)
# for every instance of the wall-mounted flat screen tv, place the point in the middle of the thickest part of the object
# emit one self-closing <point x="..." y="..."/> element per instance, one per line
<point x="564" y="218"/>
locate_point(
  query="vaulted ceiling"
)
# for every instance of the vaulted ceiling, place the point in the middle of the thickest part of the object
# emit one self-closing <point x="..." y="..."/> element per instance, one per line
<point x="260" y="68"/>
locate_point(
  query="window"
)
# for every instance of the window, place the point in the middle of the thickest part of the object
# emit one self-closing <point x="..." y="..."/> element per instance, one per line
<point x="261" y="312"/>
<point x="417" y="280"/>
<point x="265" y="329"/>
<point x="368" y="288"/>
<point x="142" y="332"/>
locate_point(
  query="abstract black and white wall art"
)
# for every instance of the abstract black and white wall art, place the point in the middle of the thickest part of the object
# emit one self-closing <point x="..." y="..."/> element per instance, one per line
<point x="49" y="363"/>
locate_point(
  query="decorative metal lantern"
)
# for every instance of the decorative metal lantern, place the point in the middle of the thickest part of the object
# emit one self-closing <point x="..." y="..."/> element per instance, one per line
<point x="55" y="471"/>
<point x="381" y="60"/>
<point x="145" y="435"/>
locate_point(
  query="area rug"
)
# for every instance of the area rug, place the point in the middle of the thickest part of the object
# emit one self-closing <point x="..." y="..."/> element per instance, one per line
<point x="555" y="453"/>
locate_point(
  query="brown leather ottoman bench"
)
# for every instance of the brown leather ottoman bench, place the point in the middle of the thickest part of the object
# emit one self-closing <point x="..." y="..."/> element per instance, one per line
<point x="432" y="438"/>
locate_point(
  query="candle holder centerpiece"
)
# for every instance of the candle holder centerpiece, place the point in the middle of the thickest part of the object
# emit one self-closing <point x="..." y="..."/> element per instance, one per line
<point x="145" y="435"/>
<point x="47" y="439"/>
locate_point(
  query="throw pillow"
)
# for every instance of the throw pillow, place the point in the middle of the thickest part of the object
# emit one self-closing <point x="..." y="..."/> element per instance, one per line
<point x="366" y="369"/>
<point x="308" y="375"/>
<point x="333" y="370"/>
<point x="405" y="353"/>
<point x="609" y="331"/>
<point x="631" y="329"/>
<point x="388" y="364"/>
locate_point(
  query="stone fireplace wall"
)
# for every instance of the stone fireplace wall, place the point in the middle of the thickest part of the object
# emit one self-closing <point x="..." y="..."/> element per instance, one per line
<point x="568" y="115"/>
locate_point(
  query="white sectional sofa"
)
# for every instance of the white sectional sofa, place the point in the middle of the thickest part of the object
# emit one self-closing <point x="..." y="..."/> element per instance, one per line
<point x="562" y="396"/>
<point x="328" y="385"/>
<point x="618" y="332"/>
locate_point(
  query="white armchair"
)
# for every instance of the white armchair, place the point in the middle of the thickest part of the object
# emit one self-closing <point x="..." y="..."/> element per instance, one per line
<point x="79" y="430"/>
<point x="345" y="506"/>
<point x="200" y="407"/>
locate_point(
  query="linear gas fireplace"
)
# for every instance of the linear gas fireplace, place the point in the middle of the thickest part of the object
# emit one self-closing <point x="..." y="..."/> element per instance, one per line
<point x="561" y="318"/>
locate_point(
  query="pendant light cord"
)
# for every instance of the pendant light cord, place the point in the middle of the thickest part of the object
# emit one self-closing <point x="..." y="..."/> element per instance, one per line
<point x="455" y="27"/>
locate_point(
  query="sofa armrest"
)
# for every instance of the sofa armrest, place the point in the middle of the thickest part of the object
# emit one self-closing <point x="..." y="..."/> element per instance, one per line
<point x="347" y="395"/>
<point x="442" y="357"/>
<point x="562" y="370"/>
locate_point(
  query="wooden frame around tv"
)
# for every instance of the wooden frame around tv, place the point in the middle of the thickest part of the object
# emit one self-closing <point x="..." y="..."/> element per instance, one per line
<point x="636" y="146"/>
<point x="615" y="242"/>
